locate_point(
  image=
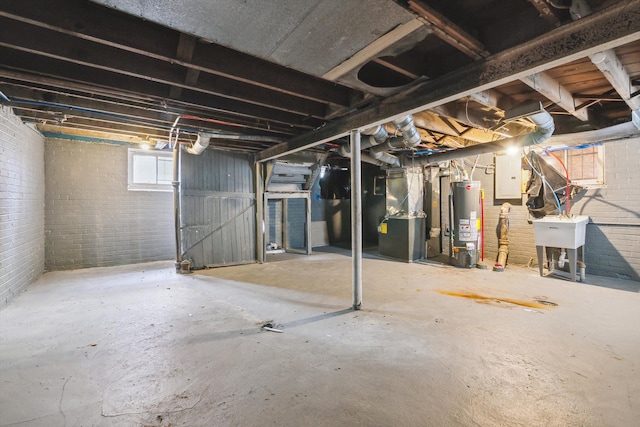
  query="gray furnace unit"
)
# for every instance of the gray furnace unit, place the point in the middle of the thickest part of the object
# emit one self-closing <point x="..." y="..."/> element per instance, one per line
<point x="466" y="207"/>
<point x="401" y="234"/>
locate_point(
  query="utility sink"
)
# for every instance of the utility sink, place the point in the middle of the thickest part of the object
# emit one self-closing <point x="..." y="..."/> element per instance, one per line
<point x="560" y="231"/>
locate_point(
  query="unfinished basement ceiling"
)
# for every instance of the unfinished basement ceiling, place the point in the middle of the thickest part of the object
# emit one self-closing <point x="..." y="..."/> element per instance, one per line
<point x="278" y="77"/>
<point x="307" y="35"/>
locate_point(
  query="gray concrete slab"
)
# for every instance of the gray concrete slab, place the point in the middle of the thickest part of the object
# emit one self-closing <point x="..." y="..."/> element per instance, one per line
<point x="140" y="345"/>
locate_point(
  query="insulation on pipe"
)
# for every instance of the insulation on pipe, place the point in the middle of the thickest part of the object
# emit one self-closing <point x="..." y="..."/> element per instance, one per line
<point x="199" y="146"/>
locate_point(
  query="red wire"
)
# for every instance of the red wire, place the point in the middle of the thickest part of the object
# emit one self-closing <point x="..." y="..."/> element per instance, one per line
<point x="566" y="173"/>
<point x="482" y="220"/>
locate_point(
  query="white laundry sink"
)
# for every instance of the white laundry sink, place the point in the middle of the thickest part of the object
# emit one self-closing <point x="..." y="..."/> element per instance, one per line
<point x="560" y="231"/>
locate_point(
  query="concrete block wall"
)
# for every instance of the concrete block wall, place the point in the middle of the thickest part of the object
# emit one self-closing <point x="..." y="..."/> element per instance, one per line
<point x="22" y="190"/>
<point x="612" y="245"/>
<point x="522" y="250"/>
<point x="92" y="219"/>
<point x="613" y="234"/>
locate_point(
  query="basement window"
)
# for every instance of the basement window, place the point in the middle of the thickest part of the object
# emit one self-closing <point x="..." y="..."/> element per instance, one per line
<point x="584" y="163"/>
<point x="150" y="170"/>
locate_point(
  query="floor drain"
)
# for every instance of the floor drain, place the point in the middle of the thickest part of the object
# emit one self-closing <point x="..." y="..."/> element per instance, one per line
<point x="545" y="302"/>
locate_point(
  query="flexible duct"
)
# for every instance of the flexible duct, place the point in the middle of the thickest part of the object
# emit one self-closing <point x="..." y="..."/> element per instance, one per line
<point x="199" y="146"/>
<point x="386" y="158"/>
<point x="345" y="151"/>
<point x="379" y="143"/>
<point x="544" y="130"/>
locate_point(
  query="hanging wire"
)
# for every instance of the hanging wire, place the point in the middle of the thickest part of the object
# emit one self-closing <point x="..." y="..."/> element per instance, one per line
<point x="548" y="184"/>
<point x="474" y="167"/>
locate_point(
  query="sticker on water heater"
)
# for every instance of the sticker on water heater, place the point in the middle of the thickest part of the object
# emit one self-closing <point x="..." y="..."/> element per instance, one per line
<point x="467" y="233"/>
<point x="465" y="230"/>
<point x="472" y="215"/>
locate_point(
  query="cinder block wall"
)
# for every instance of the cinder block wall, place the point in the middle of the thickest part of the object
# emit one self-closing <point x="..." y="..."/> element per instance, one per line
<point x="613" y="234"/>
<point x="522" y="249"/>
<point x="612" y="245"/>
<point x="92" y="219"/>
<point x="21" y="205"/>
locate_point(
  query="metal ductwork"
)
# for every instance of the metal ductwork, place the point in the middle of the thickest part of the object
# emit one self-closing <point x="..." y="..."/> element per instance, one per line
<point x="379" y="143"/>
<point x="386" y="158"/>
<point x="544" y="129"/>
<point x="382" y="160"/>
<point x="377" y="135"/>
<point x="368" y="159"/>
<point x="201" y="144"/>
<point x="410" y="134"/>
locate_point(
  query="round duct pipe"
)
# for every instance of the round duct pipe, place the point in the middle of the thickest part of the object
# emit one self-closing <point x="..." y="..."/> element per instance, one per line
<point x="199" y="146"/>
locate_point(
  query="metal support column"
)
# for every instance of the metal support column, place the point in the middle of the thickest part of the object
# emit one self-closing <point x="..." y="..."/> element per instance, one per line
<point x="285" y="220"/>
<point x="260" y="246"/>
<point x="307" y="223"/>
<point x="356" y="220"/>
<point x="176" y="201"/>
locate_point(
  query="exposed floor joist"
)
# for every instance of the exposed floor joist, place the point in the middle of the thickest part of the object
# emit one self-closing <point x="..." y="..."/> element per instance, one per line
<point x="373" y="50"/>
<point x="555" y="92"/>
<point x="460" y="39"/>
<point x="616" y="25"/>
<point x="110" y="28"/>
<point x="449" y="31"/>
<point x="607" y="61"/>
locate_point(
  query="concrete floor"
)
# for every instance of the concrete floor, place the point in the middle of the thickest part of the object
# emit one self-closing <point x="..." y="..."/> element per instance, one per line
<point x="141" y="345"/>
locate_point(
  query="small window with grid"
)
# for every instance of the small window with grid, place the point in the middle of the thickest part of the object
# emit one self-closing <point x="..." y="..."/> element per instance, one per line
<point x="150" y="170"/>
<point x="585" y="164"/>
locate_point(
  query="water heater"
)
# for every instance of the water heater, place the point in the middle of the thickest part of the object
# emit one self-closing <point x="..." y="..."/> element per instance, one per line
<point x="466" y="221"/>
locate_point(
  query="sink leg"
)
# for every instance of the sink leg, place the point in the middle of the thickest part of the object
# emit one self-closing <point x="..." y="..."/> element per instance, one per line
<point x="539" y="250"/>
<point x="572" y="254"/>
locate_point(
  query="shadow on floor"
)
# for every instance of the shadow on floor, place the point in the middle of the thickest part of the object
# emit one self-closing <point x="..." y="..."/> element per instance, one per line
<point x="317" y="318"/>
<point x="601" y="281"/>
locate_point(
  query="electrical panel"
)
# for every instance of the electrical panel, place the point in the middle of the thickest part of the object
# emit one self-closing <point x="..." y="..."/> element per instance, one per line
<point x="508" y="177"/>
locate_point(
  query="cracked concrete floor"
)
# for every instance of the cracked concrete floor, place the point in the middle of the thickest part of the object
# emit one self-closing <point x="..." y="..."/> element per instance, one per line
<point x="139" y="345"/>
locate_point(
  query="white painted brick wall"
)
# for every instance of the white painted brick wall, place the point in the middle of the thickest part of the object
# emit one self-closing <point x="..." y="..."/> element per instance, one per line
<point x="612" y="245"/>
<point x="613" y="236"/>
<point x="21" y="205"/>
<point x="92" y="219"/>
